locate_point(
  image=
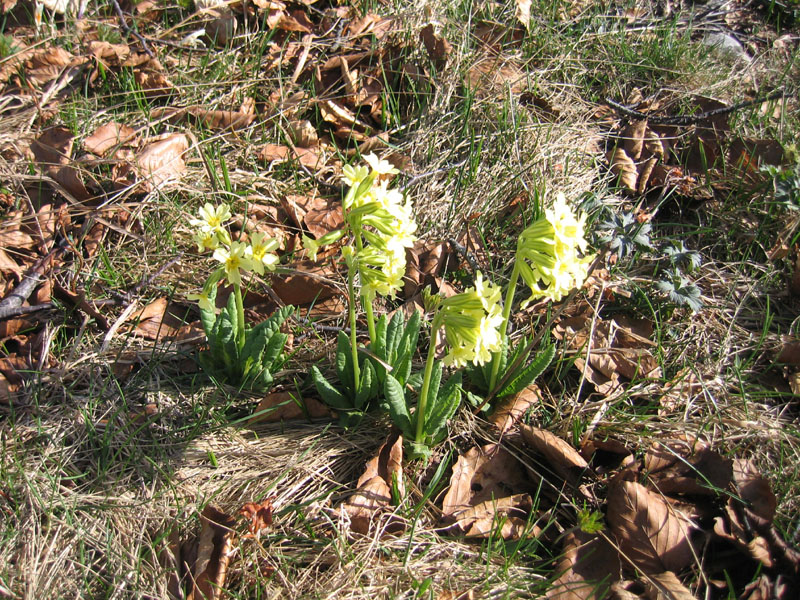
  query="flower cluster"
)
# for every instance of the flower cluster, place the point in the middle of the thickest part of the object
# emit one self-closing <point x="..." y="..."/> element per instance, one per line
<point x="382" y="225"/>
<point x="235" y="257"/>
<point x="471" y="323"/>
<point x="551" y="253"/>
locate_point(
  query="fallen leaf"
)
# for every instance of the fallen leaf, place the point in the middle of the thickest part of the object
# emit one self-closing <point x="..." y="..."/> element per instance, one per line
<point x="163" y="321"/>
<point x="373" y="495"/>
<point x="588" y="566"/>
<point x="215" y="548"/>
<point x="259" y="515"/>
<point x="308" y="283"/>
<point x="511" y="410"/>
<point x="111" y="55"/>
<point x="650" y="532"/>
<point x="107" y="137"/>
<point x="666" y="586"/>
<point x="624" y="168"/>
<point x="522" y="12"/>
<point x="149" y="75"/>
<point x="482" y="474"/>
<point x="438" y="48"/>
<point x="308" y="157"/>
<point x="565" y="460"/>
<point x="162" y="160"/>
<point x="282" y="406"/>
<point x="753" y="489"/>
<point x="507" y="517"/>
<point x="322" y="215"/>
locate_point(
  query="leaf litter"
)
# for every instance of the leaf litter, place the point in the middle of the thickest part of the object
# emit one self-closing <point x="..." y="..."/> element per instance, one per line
<point x="652" y="507"/>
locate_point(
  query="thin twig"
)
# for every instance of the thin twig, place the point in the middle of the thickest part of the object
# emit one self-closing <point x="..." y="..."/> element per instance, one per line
<point x="464" y="253"/>
<point x="130" y="30"/>
<point x="7" y="313"/>
<point x="30" y="282"/>
<point x="691" y="119"/>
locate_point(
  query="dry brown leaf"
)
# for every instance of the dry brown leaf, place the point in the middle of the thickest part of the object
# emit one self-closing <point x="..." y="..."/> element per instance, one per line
<point x="107" y="137"/>
<point x="439" y="49"/>
<point x="308" y="157"/>
<point x="374" y="488"/>
<point x="282" y="406"/>
<point x="482" y="474"/>
<point x="9" y="267"/>
<point x="112" y="55"/>
<point x="754" y="489"/>
<point x="633" y="138"/>
<point x="425" y="261"/>
<point x="565" y="460"/>
<point x="512" y="410"/>
<point x="162" y="160"/>
<point x="162" y="321"/>
<point x="491" y="75"/>
<point x="306" y="284"/>
<point x="650" y="532"/>
<point x="587" y="568"/>
<point x="215" y="548"/>
<point x="150" y="77"/>
<point x="522" y="12"/>
<point x="52" y="149"/>
<point x="624" y="168"/>
<point x="619" y="349"/>
<point x="322" y="216"/>
<point x="507" y="516"/>
<point x="303" y="133"/>
<point x="606" y="455"/>
<point x="258" y="514"/>
<point x="666" y="586"/>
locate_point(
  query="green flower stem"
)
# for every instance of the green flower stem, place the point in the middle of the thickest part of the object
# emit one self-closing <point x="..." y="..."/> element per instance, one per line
<point x="351" y="306"/>
<point x="426" y="381"/>
<point x="237" y="292"/>
<point x="365" y="303"/>
<point x="510" y="290"/>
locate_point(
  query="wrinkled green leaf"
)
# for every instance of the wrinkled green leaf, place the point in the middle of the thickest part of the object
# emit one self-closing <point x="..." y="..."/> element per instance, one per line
<point x="529" y="373"/>
<point x="396" y="405"/>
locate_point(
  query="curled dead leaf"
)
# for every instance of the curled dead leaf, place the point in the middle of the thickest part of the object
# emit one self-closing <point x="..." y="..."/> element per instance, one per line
<point x="373" y="496"/>
<point x="284" y="406"/>
<point x="588" y="566"/>
<point x="161" y="160"/>
<point x="258" y="514"/>
<point x="650" y="532"/>
<point x="565" y="460"/>
<point x="624" y="168"/>
<point x="215" y="548"/>
<point x="107" y="137"/>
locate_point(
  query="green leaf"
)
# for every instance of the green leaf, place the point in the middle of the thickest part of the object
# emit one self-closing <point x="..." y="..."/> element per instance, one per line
<point x="380" y="338"/>
<point x="393" y="336"/>
<point x="416" y="450"/>
<point x="436" y="380"/>
<point x="273" y="350"/>
<point x="407" y="348"/>
<point x="415" y="381"/>
<point x="396" y="405"/>
<point x="367" y="386"/>
<point x="443" y="408"/>
<point x="344" y="363"/>
<point x="529" y="374"/>
<point x="329" y="394"/>
<point x="209" y="317"/>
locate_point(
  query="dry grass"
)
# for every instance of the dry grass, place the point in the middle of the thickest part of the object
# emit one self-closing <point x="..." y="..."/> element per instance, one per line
<point x="93" y="490"/>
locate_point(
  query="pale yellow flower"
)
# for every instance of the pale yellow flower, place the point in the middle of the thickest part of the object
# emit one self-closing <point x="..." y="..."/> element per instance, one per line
<point x="211" y="218"/>
<point x="233" y="261"/>
<point x="206" y="240"/>
<point x="203" y="301"/>
<point x="380" y="166"/>
<point x="260" y="251"/>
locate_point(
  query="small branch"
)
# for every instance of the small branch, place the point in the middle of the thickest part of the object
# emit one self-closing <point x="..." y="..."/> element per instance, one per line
<point x="129" y="30"/>
<point x="6" y="313"/>
<point x="464" y="253"/>
<point x="691" y="119"/>
<point x="11" y="303"/>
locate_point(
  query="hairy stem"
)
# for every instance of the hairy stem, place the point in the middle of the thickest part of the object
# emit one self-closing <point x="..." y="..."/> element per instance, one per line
<point x="237" y="292"/>
<point x="351" y="306"/>
<point x="426" y="381"/>
<point x="496" y="356"/>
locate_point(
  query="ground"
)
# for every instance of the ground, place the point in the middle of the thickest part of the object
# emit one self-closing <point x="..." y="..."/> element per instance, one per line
<point x="657" y="455"/>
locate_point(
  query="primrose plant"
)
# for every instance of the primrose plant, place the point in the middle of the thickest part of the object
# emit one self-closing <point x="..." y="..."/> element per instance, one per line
<point x="378" y="227"/>
<point x="471" y="322"/>
<point x="237" y="354"/>
<point x="552" y="259"/>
